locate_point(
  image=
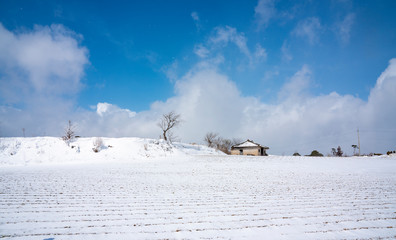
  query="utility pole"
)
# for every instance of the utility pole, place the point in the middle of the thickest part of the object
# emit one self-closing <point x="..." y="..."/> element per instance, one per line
<point x="358" y="140"/>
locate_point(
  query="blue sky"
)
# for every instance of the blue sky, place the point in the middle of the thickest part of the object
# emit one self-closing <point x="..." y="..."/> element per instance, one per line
<point x="142" y="57"/>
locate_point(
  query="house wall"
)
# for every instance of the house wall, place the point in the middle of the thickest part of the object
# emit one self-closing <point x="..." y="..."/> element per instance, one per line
<point x="246" y="151"/>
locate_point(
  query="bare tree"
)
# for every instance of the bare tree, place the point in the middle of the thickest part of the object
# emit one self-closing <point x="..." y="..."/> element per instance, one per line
<point x="235" y="141"/>
<point x="69" y="132"/>
<point x="338" y="152"/>
<point x="224" y="145"/>
<point x="211" y="139"/>
<point x="172" y="137"/>
<point x="167" y="122"/>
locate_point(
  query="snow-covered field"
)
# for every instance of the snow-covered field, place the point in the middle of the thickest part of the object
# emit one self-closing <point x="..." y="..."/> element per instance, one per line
<point x="184" y="196"/>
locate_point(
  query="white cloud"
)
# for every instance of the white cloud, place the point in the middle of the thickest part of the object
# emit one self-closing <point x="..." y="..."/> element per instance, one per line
<point x="286" y="55"/>
<point x="226" y="35"/>
<point x="195" y="16"/>
<point x="41" y="71"/>
<point x="379" y="110"/>
<point x="260" y="53"/>
<point x="197" y="21"/>
<point x="343" y="28"/>
<point x="210" y="101"/>
<point x="171" y="71"/>
<point x="106" y="109"/>
<point x="298" y="84"/>
<point x="47" y="60"/>
<point x="270" y="75"/>
<point x="201" y="51"/>
<point x="264" y="11"/>
<point x="309" y="28"/>
<point x="206" y="100"/>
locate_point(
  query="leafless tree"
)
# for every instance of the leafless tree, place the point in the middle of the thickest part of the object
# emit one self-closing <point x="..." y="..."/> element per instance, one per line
<point x="69" y="132"/>
<point x="211" y="139"/>
<point x="235" y="141"/>
<point x="223" y="144"/>
<point x="172" y="137"/>
<point x="167" y="122"/>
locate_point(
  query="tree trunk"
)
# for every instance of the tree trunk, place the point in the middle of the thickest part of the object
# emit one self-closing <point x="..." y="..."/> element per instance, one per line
<point x="165" y="138"/>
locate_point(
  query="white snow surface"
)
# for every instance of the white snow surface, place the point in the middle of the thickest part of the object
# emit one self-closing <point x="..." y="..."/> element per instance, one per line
<point x="187" y="194"/>
<point x="50" y="150"/>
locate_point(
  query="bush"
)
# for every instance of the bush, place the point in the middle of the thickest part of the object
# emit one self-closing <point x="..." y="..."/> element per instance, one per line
<point x="338" y="152"/>
<point x="315" y="153"/>
<point x="296" y="154"/>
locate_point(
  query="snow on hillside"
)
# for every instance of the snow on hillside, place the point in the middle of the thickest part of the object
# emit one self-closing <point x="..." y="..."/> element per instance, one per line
<point x="22" y="151"/>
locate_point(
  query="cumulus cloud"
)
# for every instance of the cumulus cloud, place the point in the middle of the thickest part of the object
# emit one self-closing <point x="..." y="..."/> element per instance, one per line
<point x="110" y="120"/>
<point x="298" y="121"/>
<point x="40" y="71"/>
<point x="47" y="60"/>
<point x="107" y="109"/>
<point x="379" y="110"/>
<point x="309" y="29"/>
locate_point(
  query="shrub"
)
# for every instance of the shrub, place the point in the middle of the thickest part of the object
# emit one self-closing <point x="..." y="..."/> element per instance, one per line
<point x="338" y="152"/>
<point x="69" y="132"/>
<point x="315" y="153"/>
<point x="390" y="152"/>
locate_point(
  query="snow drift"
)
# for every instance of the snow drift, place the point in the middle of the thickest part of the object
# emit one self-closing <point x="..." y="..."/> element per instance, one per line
<point x="22" y="151"/>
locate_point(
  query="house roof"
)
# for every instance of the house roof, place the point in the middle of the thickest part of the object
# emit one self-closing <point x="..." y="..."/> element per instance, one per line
<point x="248" y="143"/>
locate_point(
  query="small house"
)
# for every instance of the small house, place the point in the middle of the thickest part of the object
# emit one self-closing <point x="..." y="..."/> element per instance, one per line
<point x="249" y="147"/>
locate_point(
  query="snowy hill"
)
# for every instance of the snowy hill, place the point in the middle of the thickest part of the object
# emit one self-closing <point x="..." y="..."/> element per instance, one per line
<point x="22" y="151"/>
